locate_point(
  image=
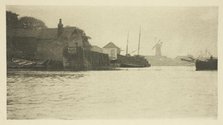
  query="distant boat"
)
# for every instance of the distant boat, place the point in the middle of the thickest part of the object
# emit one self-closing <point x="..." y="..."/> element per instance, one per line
<point x="208" y="64"/>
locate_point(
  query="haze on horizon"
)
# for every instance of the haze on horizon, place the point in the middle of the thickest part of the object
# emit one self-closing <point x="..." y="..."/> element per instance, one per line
<point x="183" y="30"/>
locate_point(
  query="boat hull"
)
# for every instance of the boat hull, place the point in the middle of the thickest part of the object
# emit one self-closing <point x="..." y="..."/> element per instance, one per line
<point x="206" y="65"/>
<point x="132" y="66"/>
<point x="132" y="61"/>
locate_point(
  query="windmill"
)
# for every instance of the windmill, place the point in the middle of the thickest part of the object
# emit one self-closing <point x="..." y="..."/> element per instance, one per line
<point x="158" y="46"/>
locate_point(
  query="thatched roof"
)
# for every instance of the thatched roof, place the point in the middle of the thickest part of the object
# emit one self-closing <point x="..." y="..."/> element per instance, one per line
<point x="47" y="33"/>
<point x="23" y="33"/>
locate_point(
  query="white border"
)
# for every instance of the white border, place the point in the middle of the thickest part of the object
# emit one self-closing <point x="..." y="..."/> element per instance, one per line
<point x="110" y="3"/>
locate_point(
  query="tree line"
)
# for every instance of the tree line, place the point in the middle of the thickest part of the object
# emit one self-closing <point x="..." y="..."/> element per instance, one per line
<point x="26" y="22"/>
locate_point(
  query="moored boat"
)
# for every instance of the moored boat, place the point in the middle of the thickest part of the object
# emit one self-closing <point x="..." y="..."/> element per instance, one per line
<point x="204" y="64"/>
<point x="208" y="64"/>
<point x="129" y="61"/>
<point x="132" y="61"/>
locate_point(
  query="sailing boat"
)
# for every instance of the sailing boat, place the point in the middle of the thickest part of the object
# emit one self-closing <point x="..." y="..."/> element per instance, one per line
<point x="204" y="63"/>
<point x="129" y="61"/>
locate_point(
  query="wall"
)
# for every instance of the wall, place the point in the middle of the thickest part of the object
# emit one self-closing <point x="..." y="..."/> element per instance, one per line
<point x="75" y="40"/>
<point x="112" y="53"/>
<point x="50" y="49"/>
<point x="84" y="60"/>
<point x="21" y="47"/>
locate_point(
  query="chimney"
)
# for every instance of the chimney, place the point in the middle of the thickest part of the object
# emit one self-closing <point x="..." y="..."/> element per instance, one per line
<point x="60" y="28"/>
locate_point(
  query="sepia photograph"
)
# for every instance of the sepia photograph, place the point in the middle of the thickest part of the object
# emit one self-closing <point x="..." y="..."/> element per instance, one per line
<point x="111" y="62"/>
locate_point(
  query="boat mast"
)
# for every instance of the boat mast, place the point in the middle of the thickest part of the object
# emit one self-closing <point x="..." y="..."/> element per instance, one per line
<point x="139" y="39"/>
<point x="127" y="45"/>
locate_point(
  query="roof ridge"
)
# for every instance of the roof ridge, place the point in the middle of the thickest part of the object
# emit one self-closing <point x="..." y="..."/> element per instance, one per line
<point x="111" y="44"/>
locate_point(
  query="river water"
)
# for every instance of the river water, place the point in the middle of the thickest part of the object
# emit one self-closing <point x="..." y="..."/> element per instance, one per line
<point x="155" y="92"/>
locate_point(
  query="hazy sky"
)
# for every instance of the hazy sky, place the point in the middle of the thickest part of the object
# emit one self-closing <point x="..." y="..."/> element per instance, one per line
<point x="183" y="30"/>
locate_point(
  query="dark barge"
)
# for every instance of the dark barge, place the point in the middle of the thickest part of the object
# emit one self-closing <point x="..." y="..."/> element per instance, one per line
<point x="132" y="61"/>
<point x="208" y="64"/>
<point x="204" y="64"/>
